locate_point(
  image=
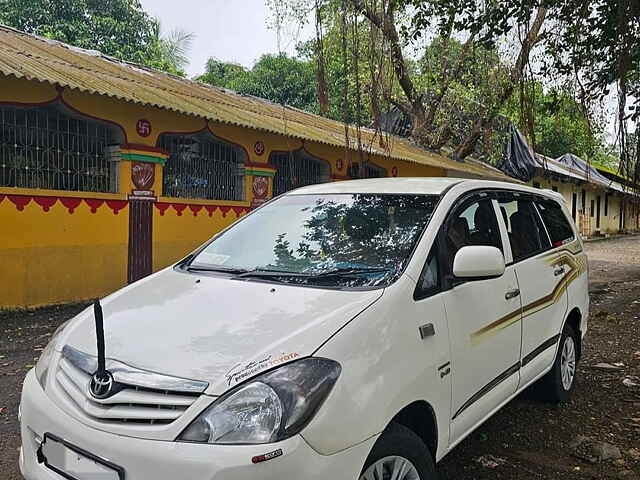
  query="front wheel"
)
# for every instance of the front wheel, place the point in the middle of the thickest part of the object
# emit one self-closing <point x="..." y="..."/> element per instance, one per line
<point x="557" y="385"/>
<point x="399" y="454"/>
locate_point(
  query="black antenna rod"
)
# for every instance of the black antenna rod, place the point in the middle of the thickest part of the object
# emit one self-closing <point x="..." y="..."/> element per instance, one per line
<point x="97" y="313"/>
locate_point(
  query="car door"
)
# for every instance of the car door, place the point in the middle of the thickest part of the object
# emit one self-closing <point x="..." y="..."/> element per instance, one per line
<point x="483" y="318"/>
<point x="541" y="273"/>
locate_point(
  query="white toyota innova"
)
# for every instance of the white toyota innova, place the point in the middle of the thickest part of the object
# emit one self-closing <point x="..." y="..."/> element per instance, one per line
<point x="350" y="330"/>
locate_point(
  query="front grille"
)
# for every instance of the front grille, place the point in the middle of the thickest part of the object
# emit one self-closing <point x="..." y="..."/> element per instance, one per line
<point x="130" y="404"/>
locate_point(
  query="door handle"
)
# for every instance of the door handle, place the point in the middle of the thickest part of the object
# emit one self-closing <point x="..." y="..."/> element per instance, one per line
<point x="558" y="271"/>
<point x="511" y="294"/>
<point x="427" y="330"/>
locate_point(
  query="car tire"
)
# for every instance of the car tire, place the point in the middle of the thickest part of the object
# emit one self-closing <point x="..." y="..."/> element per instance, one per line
<point x="556" y="386"/>
<point x="399" y="446"/>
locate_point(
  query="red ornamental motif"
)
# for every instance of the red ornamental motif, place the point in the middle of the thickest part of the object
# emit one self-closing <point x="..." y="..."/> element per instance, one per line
<point x="258" y="147"/>
<point x="162" y="207"/>
<point x="143" y="175"/>
<point x="143" y="127"/>
<point x="94" y="204"/>
<point x="179" y="208"/>
<point x="20" y="201"/>
<point x="116" y="205"/>
<point x="71" y="203"/>
<point x="260" y="187"/>
<point x="394" y="172"/>
<point x="210" y="209"/>
<point x="195" y="209"/>
<point x="45" y="202"/>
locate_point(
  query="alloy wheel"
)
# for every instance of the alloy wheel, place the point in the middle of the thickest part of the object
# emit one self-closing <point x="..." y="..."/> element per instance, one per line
<point x="568" y="363"/>
<point x="391" y="468"/>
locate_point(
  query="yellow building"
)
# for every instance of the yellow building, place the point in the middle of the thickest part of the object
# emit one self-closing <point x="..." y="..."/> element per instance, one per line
<point x="600" y="206"/>
<point x="109" y="171"/>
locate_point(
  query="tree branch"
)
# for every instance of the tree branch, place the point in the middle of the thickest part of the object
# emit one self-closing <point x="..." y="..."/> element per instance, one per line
<point x="385" y="22"/>
<point x="467" y="146"/>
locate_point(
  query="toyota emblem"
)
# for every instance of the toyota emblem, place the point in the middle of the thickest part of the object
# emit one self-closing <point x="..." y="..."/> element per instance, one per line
<point x="101" y="385"/>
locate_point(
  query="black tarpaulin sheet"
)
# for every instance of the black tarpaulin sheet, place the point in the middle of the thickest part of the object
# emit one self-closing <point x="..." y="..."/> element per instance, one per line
<point x="576" y="163"/>
<point x="518" y="160"/>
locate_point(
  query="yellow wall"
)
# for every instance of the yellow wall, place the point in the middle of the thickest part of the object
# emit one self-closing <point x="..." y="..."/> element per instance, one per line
<point x="58" y="256"/>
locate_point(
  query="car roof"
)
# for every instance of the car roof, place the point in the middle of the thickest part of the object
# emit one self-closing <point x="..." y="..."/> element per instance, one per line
<point x="411" y="185"/>
<point x="417" y="186"/>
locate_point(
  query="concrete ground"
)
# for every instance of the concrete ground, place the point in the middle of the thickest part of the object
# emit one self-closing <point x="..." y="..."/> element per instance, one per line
<point x="526" y="440"/>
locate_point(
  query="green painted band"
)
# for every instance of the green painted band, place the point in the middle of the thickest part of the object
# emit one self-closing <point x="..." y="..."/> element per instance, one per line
<point x="136" y="157"/>
<point x="258" y="173"/>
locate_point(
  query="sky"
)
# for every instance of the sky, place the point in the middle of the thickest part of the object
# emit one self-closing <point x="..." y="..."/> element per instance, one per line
<point x="228" y="30"/>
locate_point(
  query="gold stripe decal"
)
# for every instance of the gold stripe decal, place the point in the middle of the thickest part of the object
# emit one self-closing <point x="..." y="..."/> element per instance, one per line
<point x="577" y="266"/>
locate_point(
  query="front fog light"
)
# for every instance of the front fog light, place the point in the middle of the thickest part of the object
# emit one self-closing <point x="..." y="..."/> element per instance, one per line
<point x="273" y="407"/>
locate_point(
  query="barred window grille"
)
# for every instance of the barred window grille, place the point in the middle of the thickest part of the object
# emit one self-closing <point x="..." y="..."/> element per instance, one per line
<point x="46" y="147"/>
<point x="202" y="166"/>
<point x="297" y="169"/>
<point x="373" y="171"/>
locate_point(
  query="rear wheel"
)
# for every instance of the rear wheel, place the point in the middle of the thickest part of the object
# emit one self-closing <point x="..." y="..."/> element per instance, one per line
<point x="399" y="454"/>
<point x="557" y="385"/>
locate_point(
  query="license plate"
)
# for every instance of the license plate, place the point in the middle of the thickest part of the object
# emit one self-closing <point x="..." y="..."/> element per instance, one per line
<point x="74" y="463"/>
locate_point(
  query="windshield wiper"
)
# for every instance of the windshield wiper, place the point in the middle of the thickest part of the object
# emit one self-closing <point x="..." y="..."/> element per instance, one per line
<point x="346" y="271"/>
<point x="266" y="273"/>
<point x="215" y="268"/>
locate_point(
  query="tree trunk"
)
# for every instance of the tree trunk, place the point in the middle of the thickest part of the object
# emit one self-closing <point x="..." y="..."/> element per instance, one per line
<point x="385" y="22"/>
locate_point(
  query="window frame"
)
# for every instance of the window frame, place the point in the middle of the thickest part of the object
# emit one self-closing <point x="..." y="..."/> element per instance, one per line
<point x="573" y="233"/>
<point x="447" y="280"/>
<point x="52" y="161"/>
<point x="525" y="196"/>
<point x="420" y="293"/>
<point x="205" y="139"/>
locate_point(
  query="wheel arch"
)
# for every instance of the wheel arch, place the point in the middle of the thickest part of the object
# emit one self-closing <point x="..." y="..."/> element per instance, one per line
<point x="420" y="417"/>
<point x="574" y="320"/>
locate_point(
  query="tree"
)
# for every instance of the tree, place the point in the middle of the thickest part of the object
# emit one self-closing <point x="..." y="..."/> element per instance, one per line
<point x="117" y="28"/>
<point x="169" y="52"/>
<point x="278" y="78"/>
<point x="560" y="124"/>
<point x="598" y="44"/>
<point x="221" y="74"/>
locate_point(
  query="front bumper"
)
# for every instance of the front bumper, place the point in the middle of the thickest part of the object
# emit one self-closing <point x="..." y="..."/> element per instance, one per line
<point x="159" y="460"/>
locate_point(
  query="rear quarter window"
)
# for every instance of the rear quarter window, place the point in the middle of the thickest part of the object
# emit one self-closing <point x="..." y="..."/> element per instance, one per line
<point x="557" y="224"/>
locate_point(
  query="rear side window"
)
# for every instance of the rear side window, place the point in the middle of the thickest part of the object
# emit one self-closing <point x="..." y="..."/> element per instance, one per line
<point x="526" y="232"/>
<point x="556" y="222"/>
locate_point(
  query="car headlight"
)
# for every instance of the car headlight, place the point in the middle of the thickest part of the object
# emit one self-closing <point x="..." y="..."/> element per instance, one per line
<point x="42" y="367"/>
<point x="270" y="408"/>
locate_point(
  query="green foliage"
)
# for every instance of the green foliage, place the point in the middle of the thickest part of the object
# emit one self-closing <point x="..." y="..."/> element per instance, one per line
<point x="118" y="28"/>
<point x="560" y="125"/>
<point x="278" y="78"/>
<point x="221" y="74"/>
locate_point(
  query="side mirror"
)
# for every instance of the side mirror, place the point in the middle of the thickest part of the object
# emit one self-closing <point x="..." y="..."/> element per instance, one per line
<point x="477" y="262"/>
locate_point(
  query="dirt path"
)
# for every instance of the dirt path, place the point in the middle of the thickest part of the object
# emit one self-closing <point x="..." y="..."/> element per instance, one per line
<point x="526" y="440"/>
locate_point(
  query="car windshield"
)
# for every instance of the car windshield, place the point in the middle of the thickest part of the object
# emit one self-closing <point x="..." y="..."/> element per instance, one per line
<point x="340" y="240"/>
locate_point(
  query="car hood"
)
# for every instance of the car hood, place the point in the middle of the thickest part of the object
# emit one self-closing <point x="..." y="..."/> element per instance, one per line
<point x="215" y="329"/>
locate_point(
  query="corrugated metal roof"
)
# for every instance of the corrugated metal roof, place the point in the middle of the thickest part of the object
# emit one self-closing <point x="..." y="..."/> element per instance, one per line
<point x="34" y="58"/>
<point x="554" y="166"/>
